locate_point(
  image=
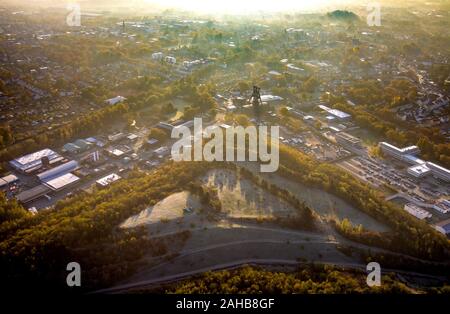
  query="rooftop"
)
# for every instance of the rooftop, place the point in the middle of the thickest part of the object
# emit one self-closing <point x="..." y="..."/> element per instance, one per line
<point x="434" y="166"/>
<point x="105" y="181"/>
<point x="417" y="211"/>
<point x="34" y="159"/>
<point x="60" y="182"/>
<point x="266" y="98"/>
<point x="335" y="112"/>
<point x="32" y="194"/>
<point x="419" y="170"/>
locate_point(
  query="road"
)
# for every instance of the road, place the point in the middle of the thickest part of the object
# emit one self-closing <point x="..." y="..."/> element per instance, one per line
<point x="308" y="238"/>
<point x="240" y="263"/>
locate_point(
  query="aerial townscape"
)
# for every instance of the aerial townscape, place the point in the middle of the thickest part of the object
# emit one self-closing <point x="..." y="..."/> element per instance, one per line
<point x="88" y="106"/>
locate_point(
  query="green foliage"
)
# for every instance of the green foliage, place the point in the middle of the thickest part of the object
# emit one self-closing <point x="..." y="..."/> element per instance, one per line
<point x="426" y="138"/>
<point x="10" y="210"/>
<point x="158" y="134"/>
<point x="311" y="84"/>
<point x="83" y="126"/>
<point x="342" y="15"/>
<point x="84" y="229"/>
<point x="308" y="280"/>
<point x="6" y="136"/>
<point x="409" y="235"/>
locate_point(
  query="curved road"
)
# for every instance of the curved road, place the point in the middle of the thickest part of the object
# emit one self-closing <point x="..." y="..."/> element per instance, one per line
<point x="240" y="263"/>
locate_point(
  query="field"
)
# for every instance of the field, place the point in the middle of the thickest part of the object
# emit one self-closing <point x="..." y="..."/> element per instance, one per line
<point x="169" y="209"/>
<point x="240" y="198"/>
<point x="324" y="203"/>
<point x="241" y="233"/>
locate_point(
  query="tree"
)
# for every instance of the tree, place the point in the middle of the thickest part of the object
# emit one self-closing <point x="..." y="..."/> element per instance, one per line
<point x="310" y="85"/>
<point x="158" y="134"/>
<point x="242" y="120"/>
<point x="284" y="112"/>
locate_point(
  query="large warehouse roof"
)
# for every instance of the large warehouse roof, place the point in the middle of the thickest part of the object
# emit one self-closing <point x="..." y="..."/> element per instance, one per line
<point x="58" y="171"/>
<point x="32" y="194"/>
<point x="335" y="112"/>
<point x="33" y="161"/>
<point x="61" y="182"/>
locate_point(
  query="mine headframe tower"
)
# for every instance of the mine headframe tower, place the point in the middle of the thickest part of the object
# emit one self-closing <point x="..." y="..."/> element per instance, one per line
<point x="256" y="101"/>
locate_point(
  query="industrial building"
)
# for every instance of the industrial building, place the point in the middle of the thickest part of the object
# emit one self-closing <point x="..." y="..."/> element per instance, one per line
<point x="336" y="113"/>
<point x="33" y="194"/>
<point x="419" y="171"/>
<point x="116" y="137"/>
<point x="78" y="146"/>
<point x="414" y="160"/>
<point x="58" y="171"/>
<point x="61" y="182"/>
<point x="71" y="148"/>
<point x="105" y="181"/>
<point x="33" y="162"/>
<point x="60" y="177"/>
<point x="443" y="227"/>
<point x="83" y="144"/>
<point x="271" y="98"/>
<point x="346" y="139"/>
<point x="132" y="137"/>
<point x="420" y="167"/>
<point x="439" y="172"/>
<point x="95" y="141"/>
<point x="115" y="100"/>
<point x="118" y="151"/>
<point x="399" y="153"/>
<point x="9" y="179"/>
<point x="417" y="212"/>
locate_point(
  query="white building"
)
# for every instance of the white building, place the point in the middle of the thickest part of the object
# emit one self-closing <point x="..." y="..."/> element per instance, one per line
<point x="115" y="100"/>
<point x="399" y="153"/>
<point x="33" y="161"/>
<point x="158" y="56"/>
<point x="62" y="181"/>
<point x="58" y="171"/>
<point x="336" y="113"/>
<point x="105" y="181"/>
<point x="439" y="172"/>
<point x="170" y="60"/>
<point x="271" y="98"/>
<point x="417" y="212"/>
<point x="418" y="171"/>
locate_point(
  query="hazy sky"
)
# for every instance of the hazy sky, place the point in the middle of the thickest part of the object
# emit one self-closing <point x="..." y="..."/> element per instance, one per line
<point x="245" y="6"/>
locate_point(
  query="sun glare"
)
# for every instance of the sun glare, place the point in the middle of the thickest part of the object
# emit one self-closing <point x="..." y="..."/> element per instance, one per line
<point x="243" y="6"/>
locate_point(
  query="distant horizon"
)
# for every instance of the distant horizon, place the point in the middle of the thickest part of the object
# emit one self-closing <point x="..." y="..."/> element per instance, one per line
<point x="230" y="7"/>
